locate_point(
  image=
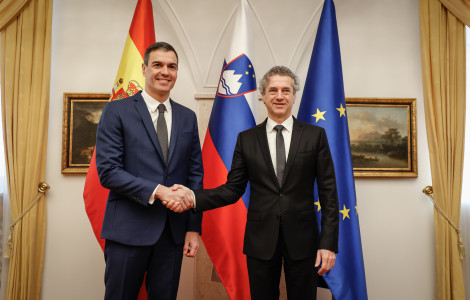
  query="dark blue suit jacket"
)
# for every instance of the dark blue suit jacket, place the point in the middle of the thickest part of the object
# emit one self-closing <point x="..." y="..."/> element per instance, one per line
<point x="130" y="164"/>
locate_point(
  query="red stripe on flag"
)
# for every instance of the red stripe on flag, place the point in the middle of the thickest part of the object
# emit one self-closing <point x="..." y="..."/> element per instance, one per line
<point x="95" y="200"/>
<point x="141" y="33"/>
<point x="223" y="229"/>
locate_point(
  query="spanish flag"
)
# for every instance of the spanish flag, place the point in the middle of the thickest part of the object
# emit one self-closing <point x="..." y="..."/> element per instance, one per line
<point x="129" y="80"/>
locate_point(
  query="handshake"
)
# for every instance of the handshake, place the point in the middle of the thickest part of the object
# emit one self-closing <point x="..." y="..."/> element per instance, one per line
<point x="178" y="198"/>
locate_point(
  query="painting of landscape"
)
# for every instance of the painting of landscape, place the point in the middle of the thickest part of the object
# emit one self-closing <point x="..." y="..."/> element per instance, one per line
<point x="82" y="112"/>
<point x="380" y="134"/>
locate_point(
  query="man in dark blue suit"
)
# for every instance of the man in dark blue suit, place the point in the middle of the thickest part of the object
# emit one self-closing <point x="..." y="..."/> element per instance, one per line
<point x="145" y="144"/>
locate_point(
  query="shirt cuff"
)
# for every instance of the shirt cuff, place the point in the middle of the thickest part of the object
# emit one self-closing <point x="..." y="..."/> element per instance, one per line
<point x="152" y="197"/>
<point x="194" y="198"/>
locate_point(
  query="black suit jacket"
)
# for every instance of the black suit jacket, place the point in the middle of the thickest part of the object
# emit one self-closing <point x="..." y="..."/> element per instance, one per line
<point x="292" y="203"/>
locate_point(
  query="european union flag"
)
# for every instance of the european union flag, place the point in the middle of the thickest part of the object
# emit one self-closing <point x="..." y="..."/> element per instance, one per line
<point x="323" y="104"/>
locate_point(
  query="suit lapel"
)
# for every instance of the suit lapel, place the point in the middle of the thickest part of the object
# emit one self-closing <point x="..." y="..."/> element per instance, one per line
<point x="263" y="143"/>
<point x="297" y="131"/>
<point x="143" y="111"/>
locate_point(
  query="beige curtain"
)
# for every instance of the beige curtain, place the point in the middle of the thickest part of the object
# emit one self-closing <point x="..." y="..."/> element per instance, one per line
<point x="443" y="67"/>
<point x="459" y="8"/>
<point x="25" y="74"/>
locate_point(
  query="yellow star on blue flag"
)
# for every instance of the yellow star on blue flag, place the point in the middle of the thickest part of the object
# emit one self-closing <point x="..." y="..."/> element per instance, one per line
<point x="319" y="115"/>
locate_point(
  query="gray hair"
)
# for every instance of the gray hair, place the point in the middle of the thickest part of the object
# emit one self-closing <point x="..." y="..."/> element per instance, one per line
<point x="278" y="70"/>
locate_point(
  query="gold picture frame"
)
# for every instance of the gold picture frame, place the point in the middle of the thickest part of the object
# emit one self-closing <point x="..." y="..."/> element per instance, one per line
<point x="82" y="112"/>
<point x="383" y="136"/>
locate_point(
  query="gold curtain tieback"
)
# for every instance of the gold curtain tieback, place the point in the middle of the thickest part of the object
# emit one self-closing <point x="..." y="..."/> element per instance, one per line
<point x="42" y="188"/>
<point x="429" y="192"/>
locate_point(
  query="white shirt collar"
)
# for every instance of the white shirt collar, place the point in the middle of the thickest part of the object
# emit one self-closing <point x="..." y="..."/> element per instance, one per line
<point x="152" y="104"/>
<point x="288" y="124"/>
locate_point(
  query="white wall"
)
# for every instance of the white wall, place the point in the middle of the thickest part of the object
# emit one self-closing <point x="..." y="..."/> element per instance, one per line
<point x="380" y="53"/>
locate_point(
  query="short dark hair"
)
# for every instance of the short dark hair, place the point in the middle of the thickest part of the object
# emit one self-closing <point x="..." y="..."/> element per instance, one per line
<point x="282" y="71"/>
<point x="159" y="46"/>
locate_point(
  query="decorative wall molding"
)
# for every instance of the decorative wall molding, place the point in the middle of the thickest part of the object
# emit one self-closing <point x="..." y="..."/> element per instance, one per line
<point x="202" y="72"/>
<point x="306" y="40"/>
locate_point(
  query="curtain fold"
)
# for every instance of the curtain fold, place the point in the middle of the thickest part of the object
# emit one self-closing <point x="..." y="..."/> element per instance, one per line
<point x="25" y="75"/>
<point x="459" y="8"/>
<point x="443" y="69"/>
<point x="9" y="10"/>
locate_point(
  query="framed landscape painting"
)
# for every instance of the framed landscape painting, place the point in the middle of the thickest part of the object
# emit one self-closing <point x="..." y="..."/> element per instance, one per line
<point x="383" y="136"/>
<point x="81" y="115"/>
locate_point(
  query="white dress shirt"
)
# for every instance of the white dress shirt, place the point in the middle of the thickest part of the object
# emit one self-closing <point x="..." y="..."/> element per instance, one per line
<point x="286" y="133"/>
<point x="271" y="133"/>
<point x="152" y="106"/>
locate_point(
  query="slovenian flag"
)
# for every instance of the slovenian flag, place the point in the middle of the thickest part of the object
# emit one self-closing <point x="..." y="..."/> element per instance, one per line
<point x="323" y="104"/>
<point x="233" y="111"/>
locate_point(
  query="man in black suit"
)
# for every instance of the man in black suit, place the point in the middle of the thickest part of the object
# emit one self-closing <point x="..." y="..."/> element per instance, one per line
<point x="281" y="221"/>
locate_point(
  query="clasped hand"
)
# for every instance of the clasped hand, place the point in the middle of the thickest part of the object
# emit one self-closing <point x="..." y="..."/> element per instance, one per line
<point x="178" y="198"/>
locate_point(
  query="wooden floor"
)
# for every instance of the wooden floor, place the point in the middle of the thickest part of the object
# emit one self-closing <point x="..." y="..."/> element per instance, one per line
<point x="209" y="286"/>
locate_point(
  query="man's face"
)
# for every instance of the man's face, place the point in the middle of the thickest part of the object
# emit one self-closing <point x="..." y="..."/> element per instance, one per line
<point x="279" y="97"/>
<point x="160" y="73"/>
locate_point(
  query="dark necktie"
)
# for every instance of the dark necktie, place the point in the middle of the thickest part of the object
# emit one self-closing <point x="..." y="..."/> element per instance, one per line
<point x="162" y="131"/>
<point x="280" y="154"/>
